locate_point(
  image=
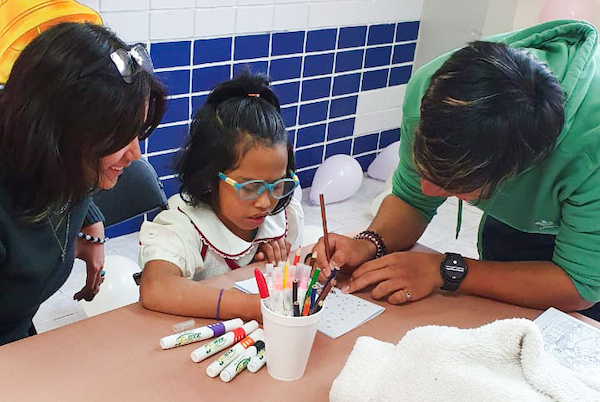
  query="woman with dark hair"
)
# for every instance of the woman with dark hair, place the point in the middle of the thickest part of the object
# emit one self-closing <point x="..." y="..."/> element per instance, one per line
<point x="238" y="180"/>
<point x="510" y="125"/>
<point x="73" y="110"/>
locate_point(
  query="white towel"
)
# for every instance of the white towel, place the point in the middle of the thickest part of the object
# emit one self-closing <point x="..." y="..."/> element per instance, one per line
<point x="501" y="361"/>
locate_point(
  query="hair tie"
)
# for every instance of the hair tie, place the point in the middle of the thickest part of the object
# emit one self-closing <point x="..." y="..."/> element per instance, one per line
<point x="254" y="95"/>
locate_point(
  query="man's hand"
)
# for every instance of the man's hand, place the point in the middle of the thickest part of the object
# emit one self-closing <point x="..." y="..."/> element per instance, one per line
<point x="345" y="252"/>
<point x="396" y="274"/>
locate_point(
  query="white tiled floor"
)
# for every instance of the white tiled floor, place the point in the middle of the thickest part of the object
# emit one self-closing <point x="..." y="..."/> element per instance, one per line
<point x="351" y="214"/>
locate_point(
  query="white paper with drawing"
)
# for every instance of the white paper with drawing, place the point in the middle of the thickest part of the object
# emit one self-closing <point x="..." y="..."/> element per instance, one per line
<point x="341" y="312"/>
<point x="572" y="342"/>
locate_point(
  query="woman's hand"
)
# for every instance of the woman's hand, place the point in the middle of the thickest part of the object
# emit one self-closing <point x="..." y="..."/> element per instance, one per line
<point x="398" y="275"/>
<point x="93" y="255"/>
<point x="273" y="251"/>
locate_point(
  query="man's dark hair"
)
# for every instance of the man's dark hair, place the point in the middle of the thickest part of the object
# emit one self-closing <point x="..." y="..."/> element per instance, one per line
<point x="238" y="115"/>
<point x="490" y="112"/>
<point x="56" y="125"/>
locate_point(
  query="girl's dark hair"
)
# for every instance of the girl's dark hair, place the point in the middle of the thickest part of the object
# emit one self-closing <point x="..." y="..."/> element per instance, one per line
<point x="238" y="115"/>
<point x="490" y="112"/>
<point x="56" y="125"/>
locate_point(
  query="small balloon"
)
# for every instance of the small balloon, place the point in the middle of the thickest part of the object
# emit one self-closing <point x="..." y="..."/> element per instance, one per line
<point x="118" y="289"/>
<point x="385" y="163"/>
<point x="338" y="178"/>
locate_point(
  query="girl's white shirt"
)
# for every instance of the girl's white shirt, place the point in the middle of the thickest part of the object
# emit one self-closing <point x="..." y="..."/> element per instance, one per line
<point x="178" y="235"/>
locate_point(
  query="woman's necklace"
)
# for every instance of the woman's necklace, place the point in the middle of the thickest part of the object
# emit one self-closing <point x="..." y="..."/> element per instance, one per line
<point x="63" y="247"/>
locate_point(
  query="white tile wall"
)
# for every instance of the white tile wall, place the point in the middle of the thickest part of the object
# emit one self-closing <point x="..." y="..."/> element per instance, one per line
<point x="254" y="2"/>
<point x="384" y="10"/>
<point x="215" y="3"/>
<point x="324" y="14"/>
<point x="290" y="17"/>
<point x="94" y="4"/>
<point x="379" y="109"/>
<point x="120" y="5"/>
<point x="251" y="19"/>
<point x="172" y="24"/>
<point x="131" y="26"/>
<point x="213" y="18"/>
<point x="165" y="4"/>
<point x="355" y="12"/>
<point x="213" y="22"/>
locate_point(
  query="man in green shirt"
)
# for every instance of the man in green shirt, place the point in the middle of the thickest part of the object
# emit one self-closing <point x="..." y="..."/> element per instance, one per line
<point x="512" y="126"/>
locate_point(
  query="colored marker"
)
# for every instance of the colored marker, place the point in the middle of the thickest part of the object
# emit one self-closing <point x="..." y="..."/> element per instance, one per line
<point x="200" y="334"/>
<point x="262" y="285"/>
<point x="240" y="363"/>
<point x="297" y="257"/>
<point x="218" y="365"/>
<point x="223" y="341"/>
<point x="258" y="361"/>
<point x="285" y="275"/>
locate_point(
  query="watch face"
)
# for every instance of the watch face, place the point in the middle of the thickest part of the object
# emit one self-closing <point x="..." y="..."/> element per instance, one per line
<point x="453" y="270"/>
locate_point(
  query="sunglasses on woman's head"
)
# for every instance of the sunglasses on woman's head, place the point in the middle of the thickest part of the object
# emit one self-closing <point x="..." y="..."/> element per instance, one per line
<point x="127" y="62"/>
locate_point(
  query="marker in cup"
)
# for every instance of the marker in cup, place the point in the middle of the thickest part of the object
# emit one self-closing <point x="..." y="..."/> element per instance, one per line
<point x="223" y="341"/>
<point x="200" y="334"/>
<point x="239" y="348"/>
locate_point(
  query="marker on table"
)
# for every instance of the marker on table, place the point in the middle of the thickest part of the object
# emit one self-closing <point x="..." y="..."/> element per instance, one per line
<point x="223" y="341"/>
<point x="258" y="361"/>
<point x="240" y="363"/>
<point x="200" y="334"/>
<point x="218" y="365"/>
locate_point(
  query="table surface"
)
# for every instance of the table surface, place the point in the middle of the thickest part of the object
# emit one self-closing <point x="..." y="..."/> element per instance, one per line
<point x="116" y="356"/>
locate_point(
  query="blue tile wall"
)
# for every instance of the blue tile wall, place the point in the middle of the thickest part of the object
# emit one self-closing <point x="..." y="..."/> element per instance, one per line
<point x="318" y="76"/>
<point x="212" y="50"/>
<point x="170" y="54"/>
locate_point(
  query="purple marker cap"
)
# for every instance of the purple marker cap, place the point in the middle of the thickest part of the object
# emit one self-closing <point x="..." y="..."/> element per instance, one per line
<point x="217" y="328"/>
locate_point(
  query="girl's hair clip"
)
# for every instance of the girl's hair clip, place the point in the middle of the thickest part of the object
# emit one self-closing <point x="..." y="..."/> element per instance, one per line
<point x="254" y="95"/>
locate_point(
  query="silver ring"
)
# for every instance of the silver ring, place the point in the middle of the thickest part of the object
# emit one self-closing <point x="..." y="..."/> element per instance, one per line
<point x="408" y="296"/>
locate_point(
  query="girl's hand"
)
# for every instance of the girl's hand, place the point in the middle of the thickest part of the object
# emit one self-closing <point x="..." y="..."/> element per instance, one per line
<point x="397" y="275"/>
<point x="273" y="251"/>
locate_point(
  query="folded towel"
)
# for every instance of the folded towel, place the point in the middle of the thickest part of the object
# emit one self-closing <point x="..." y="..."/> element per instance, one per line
<point x="501" y="361"/>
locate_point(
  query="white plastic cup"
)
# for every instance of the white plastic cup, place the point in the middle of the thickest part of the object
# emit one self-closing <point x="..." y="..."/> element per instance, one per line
<point x="288" y="342"/>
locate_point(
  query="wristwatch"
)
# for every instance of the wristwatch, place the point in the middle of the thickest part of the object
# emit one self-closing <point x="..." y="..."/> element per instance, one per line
<point x="453" y="270"/>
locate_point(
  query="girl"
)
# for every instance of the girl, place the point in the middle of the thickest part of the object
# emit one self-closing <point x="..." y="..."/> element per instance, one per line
<point x="72" y="112"/>
<point x="237" y="175"/>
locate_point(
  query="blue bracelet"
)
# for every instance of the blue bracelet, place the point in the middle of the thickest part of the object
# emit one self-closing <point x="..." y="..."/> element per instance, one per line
<point x="219" y="305"/>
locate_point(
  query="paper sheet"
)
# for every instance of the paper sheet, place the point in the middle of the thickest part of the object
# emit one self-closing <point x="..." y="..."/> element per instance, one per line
<point x="574" y="343"/>
<point x="341" y="312"/>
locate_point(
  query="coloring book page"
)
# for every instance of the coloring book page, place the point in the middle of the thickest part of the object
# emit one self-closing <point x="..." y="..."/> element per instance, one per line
<point x="572" y="342"/>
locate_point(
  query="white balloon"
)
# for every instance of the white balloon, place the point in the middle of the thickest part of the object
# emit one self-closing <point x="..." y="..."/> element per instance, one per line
<point x="118" y="289"/>
<point x="385" y="163"/>
<point x="298" y="193"/>
<point x="338" y="178"/>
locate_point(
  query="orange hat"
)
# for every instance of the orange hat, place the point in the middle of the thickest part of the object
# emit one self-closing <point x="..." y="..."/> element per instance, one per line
<point x="23" y="20"/>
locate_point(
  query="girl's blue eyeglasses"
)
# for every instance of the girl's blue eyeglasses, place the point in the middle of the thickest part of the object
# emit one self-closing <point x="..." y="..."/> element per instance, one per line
<point x="252" y="189"/>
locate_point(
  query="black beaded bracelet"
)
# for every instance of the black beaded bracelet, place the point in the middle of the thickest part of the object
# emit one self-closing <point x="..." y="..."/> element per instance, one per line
<point x="91" y="238"/>
<point x="376" y="239"/>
